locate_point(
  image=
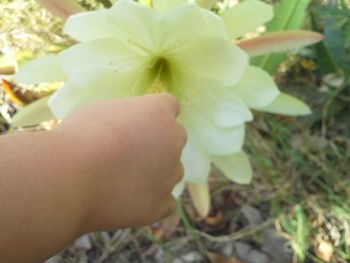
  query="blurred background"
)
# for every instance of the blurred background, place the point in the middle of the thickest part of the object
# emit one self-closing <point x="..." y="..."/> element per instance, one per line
<point x="297" y="209"/>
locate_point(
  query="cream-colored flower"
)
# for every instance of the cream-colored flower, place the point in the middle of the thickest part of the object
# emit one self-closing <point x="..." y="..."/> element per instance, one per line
<point x="176" y="47"/>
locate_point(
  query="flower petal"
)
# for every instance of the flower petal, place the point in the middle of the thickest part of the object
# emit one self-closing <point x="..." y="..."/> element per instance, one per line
<point x="214" y="139"/>
<point x="287" y="105"/>
<point x="200" y="196"/>
<point x="245" y="17"/>
<point x="196" y="162"/>
<point x="236" y="167"/>
<point x="227" y="109"/>
<point x="90" y="85"/>
<point x="191" y="22"/>
<point x="214" y="59"/>
<point x="278" y="42"/>
<point x="43" y="69"/>
<point x="90" y="26"/>
<point x="219" y="104"/>
<point x="102" y="52"/>
<point x="256" y="88"/>
<point x="179" y="188"/>
<point x="144" y="27"/>
<point x="35" y="113"/>
<point x="166" y="5"/>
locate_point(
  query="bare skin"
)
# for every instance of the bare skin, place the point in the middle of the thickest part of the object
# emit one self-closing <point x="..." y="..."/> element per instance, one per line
<point x="110" y="165"/>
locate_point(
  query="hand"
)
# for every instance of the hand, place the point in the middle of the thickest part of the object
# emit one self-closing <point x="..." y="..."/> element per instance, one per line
<point x="128" y="153"/>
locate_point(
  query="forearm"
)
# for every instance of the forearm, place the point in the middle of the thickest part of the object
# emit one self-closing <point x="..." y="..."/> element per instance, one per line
<point x="40" y="205"/>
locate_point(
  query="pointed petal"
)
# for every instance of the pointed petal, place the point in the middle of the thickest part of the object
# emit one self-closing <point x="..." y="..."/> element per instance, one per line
<point x="245" y="17"/>
<point x="112" y="52"/>
<point x="166" y="5"/>
<point x="236" y="167"/>
<point x="196" y="162"/>
<point x="62" y="8"/>
<point x="35" y="113"/>
<point x="278" y="42"/>
<point x="256" y="88"/>
<point x="90" y="85"/>
<point x="200" y="197"/>
<point x="287" y="105"/>
<point x="43" y="69"/>
<point x="90" y="26"/>
<point x="216" y="60"/>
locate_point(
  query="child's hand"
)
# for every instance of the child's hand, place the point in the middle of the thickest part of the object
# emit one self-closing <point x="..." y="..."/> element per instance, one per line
<point x="128" y="159"/>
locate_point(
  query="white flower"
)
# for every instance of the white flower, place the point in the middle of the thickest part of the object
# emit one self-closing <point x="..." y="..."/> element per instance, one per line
<point x="180" y="48"/>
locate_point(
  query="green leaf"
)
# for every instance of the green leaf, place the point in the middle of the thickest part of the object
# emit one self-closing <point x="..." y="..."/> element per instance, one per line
<point x="35" y="113"/>
<point x="289" y="15"/>
<point x="335" y="22"/>
<point x="324" y="59"/>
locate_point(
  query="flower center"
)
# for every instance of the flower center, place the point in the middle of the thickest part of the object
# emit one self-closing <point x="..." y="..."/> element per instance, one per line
<point x="161" y="76"/>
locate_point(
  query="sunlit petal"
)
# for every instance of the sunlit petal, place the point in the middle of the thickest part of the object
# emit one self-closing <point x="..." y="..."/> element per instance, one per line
<point x="33" y="114"/>
<point x="256" y="88"/>
<point x="246" y="16"/>
<point x="104" y="52"/>
<point x="142" y="30"/>
<point x="90" y="85"/>
<point x="199" y="23"/>
<point x="214" y="60"/>
<point x="43" y="69"/>
<point x="91" y="25"/>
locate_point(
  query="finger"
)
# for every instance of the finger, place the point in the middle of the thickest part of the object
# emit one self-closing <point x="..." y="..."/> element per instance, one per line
<point x="182" y="136"/>
<point x="180" y="141"/>
<point x="178" y="175"/>
<point x="173" y="103"/>
<point x="169" y="102"/>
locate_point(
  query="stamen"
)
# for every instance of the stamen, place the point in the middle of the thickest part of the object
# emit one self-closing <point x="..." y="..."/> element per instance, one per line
<point x="139" y="46"/>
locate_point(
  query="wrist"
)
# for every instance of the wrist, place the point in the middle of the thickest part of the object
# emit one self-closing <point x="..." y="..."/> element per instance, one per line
<point x="75" y="175"/>
<point x="87" y="162"/>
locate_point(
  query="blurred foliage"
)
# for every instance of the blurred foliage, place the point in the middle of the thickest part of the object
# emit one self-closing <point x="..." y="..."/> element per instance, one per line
<point x="26" y="31"/>
<point x="333" y="17"/>
<point x="95" y="4"/>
